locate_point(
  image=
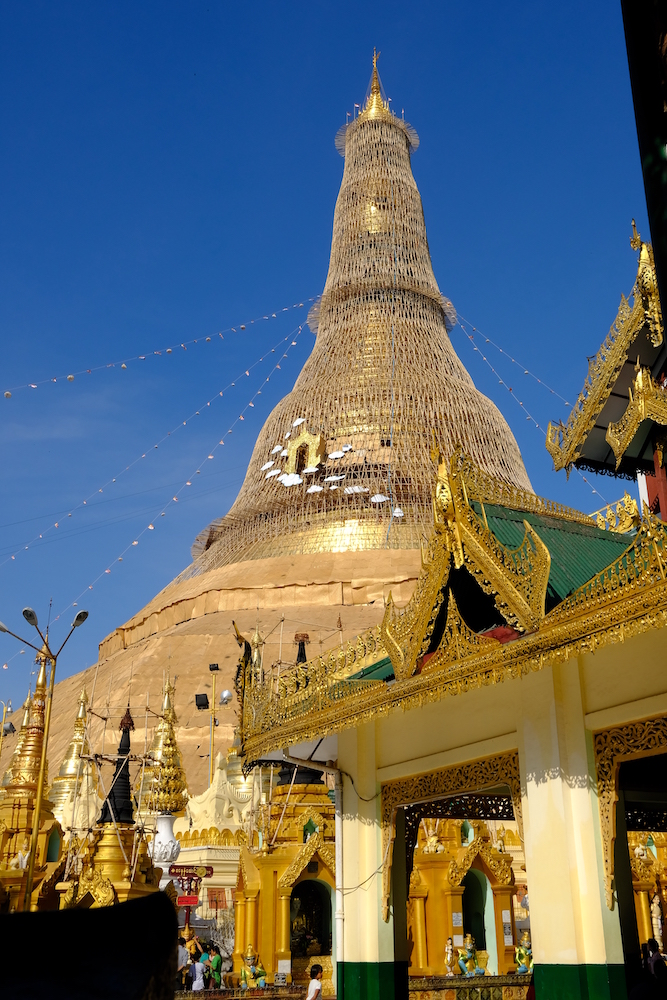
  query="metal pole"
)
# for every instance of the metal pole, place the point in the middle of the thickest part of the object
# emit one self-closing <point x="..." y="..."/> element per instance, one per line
<point x="340" y="901"/>
<point x="210" y="776"/>
<point x="40" y="786"/>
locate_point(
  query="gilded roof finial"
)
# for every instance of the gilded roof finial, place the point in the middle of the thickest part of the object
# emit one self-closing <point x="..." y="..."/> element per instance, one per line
<point x="635" y="239"/>
<point x="375" y="106"/>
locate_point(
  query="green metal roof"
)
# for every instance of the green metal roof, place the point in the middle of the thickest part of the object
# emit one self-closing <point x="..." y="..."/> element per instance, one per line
<point x="380" y="671"/>
<point x="578" y="551"/>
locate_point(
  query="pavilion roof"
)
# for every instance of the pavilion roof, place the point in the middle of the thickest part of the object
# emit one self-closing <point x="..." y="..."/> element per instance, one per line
<point x="611" y="428"/>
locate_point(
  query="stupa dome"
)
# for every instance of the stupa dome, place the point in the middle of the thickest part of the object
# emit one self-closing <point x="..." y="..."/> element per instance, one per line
<point x="343" y="461"/>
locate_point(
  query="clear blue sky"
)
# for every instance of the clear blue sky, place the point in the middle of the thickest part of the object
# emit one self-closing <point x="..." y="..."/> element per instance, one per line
<point x="168" y="170"/>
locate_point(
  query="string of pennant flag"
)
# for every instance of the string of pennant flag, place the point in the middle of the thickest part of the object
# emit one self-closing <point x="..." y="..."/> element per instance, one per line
<point x="164" y="351"/>
<point x="471" y="337"/>
<point x="11" y="557"/>
<point x="151" y="525"/>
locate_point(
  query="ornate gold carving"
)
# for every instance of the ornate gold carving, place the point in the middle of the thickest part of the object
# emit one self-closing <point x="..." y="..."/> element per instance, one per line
<point x="499" y="864"/>
<point x="565" y="441"/>
<point x="611" y="747"/>
<point x="647" y="285"/>
<point x="405" y="633"/>
<point x="314" y="845"/>
<point x="518" y="577"/>
<point x="459" y="641"/>
<point x="648" y="401"/>
<point x="475" y="776"/>
<point x="621" y="518"/>
<point x="100" y="888"/>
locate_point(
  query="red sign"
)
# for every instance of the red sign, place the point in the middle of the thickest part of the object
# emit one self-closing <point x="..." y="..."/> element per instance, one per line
<point x="187" y="900"/>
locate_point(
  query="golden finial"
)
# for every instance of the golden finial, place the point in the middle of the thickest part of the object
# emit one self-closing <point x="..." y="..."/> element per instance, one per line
<point x="375" y="106"/>
<point x="635" y="239"/>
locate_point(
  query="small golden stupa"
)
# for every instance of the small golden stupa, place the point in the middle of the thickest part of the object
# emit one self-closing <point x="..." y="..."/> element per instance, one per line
<point x="17" y="809"/>
<point x="74" y="790"/>
<point x="163" y="788"/>
<point x="18" y="746"/>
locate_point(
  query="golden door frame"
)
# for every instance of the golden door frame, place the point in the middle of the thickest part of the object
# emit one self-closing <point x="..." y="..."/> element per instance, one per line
<point x="459" y="779"/>
<point x="611" y="747"/>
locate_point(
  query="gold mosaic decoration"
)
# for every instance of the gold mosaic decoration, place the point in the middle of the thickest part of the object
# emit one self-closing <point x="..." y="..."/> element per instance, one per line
<point x="611" y="747"/>
<point x="475" y="776"/>
<point x="565" y="441"/>
<point x="381" y="377"/>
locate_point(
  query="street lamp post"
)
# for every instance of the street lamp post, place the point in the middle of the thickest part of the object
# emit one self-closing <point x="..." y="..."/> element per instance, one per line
<point x="213" y="667"/>
<point x="45" y="651"/>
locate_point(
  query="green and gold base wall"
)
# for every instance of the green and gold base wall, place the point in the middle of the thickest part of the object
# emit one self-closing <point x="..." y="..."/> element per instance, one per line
<point x="389" y="981"/>
<point x="579" y="982"/>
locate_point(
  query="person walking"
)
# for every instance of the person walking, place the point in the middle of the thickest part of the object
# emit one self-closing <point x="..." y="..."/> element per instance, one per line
<point x="315" y="987"/>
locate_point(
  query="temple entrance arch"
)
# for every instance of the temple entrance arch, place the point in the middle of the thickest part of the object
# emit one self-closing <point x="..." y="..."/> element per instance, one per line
<point x="310" y="919"/>
<point x="458" y="830"/>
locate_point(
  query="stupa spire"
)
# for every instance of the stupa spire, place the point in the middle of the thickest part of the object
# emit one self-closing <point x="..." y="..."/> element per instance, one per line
<point x="343" y="462"/>
<point x="20" y="739"/>
<point x="375" y="107"/>
<point x="164" y="787"/>
<point x="118" y="803"/>
<point x="70" y="774"/>
<point x="25" y="770"/>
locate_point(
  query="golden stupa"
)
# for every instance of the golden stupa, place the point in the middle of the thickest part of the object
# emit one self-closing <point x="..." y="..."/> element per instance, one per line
<point x="343" y="461"/>
<point x="337" y="496"/>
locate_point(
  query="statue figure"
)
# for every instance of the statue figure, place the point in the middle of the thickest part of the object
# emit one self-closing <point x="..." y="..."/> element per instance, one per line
<point x="500" y="838"/>
<point x="523" y="955"/>
<point x="468" y="963"/>
<point x="656" y="919"/>
<point x="432" y="843"/>
<point x="450" y="961"/>
<point x="253" y="974"/>
<point x="20" y="861"/>
<point x="245" y="659"/>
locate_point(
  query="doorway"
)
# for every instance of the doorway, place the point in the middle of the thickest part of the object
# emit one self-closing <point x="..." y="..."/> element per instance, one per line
<point x="310" y="919"/>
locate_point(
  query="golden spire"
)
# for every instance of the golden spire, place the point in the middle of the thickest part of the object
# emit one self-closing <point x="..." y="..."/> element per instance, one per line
<point x="343" y="461"/>
<point x="375" y="107"/>
<point x="164" y="788"/>
<point x="19" y="742"/>
<point x="69" y="778"/>
<point x="25" y="771"/>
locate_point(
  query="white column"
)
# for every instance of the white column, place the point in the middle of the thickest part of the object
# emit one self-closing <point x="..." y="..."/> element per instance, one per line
<point x="570" y="922"/>
<point x="367" y="938"/>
